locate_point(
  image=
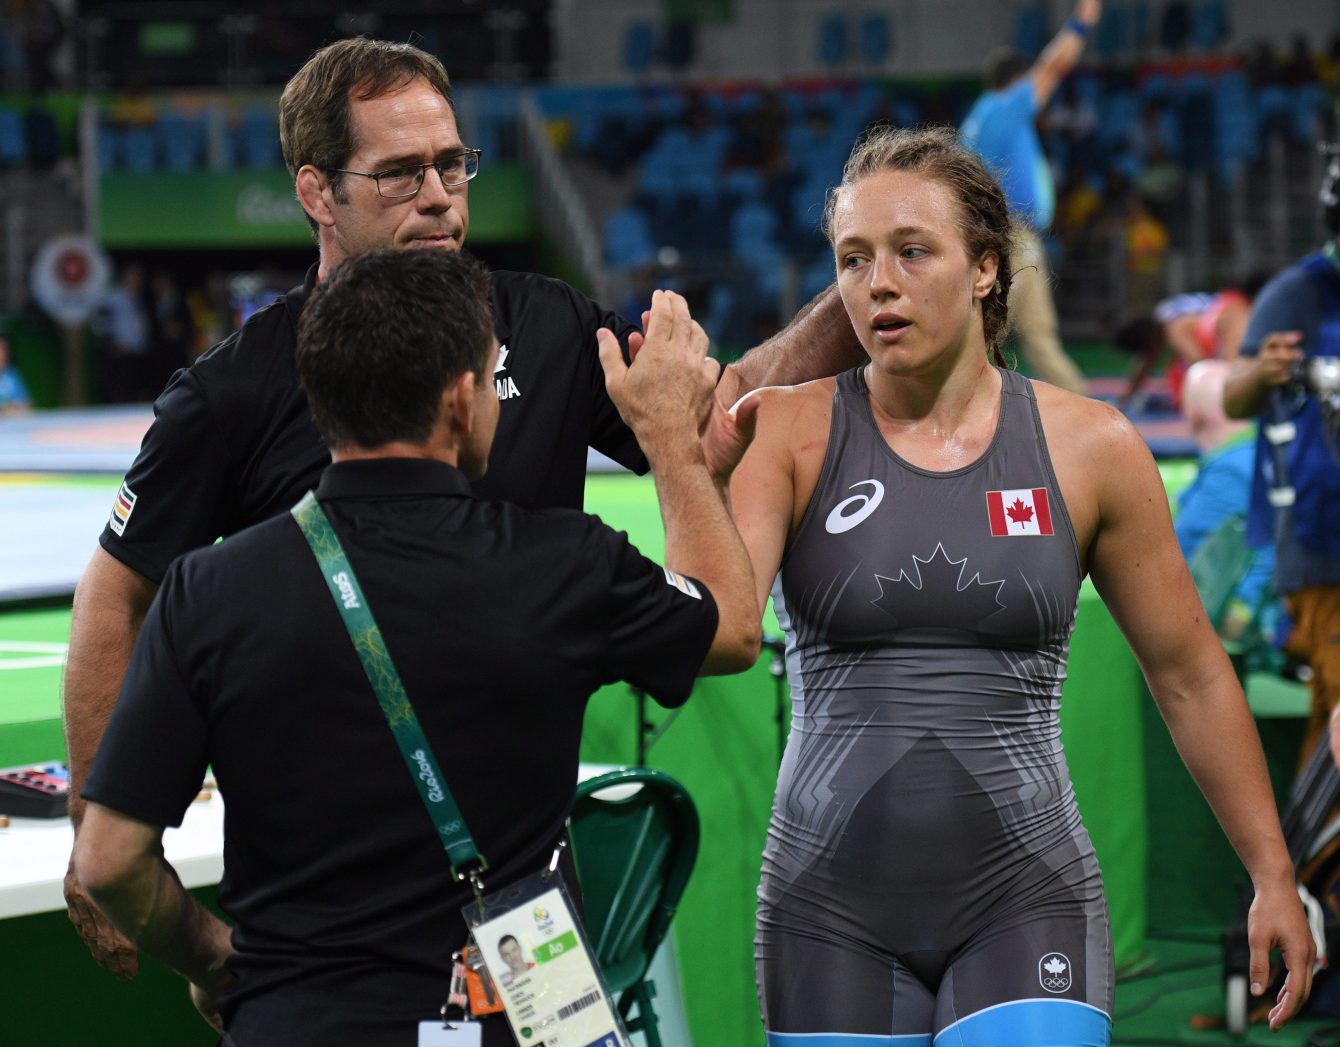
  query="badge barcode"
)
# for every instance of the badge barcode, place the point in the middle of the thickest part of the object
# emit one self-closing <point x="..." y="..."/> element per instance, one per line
<point x="568" y="1010"/>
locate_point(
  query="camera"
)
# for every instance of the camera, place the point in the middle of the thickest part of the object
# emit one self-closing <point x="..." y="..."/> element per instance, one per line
<point x="1320" y="376"/>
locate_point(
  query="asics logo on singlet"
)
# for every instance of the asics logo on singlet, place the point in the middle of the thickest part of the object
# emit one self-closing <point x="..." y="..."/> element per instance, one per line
<point x="861" y="506"/>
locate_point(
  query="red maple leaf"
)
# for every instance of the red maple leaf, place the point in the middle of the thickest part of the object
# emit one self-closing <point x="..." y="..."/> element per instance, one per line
<point x="1019" y="512"/>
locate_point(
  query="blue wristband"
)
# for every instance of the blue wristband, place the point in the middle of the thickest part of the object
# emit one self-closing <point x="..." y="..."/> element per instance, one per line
<point x="1076" y="26"/>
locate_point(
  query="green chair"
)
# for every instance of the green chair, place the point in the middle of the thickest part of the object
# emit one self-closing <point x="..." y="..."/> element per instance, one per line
<point x="1218" y="566"/>
<point x="634" y="836"/>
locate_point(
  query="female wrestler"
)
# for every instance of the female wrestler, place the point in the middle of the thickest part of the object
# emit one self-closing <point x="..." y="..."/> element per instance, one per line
<point x="926" y="877"/>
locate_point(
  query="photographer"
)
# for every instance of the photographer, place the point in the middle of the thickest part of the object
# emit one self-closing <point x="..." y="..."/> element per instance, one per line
<point x="1282" y="376"/>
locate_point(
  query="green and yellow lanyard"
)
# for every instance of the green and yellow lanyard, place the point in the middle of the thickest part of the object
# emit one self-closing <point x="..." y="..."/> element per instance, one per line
<point x="467" y="864"/>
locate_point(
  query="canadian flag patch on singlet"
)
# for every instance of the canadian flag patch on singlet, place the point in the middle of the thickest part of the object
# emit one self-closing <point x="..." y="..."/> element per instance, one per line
<point x="1024" y="511"/>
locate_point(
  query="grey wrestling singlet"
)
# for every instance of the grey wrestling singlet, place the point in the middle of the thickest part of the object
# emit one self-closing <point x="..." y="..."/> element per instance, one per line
<point x="925" y="860"/>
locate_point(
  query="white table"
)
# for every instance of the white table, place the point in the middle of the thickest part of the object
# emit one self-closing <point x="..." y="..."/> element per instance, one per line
<point x="35" y="852"/>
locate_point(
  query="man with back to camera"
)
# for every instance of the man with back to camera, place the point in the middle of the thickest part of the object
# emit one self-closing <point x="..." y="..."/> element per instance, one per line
<point x="346" y="914"/>
<point x="1296" y="319"/>
<point x="1000" y="126"/>
<point x="369" y="133"/>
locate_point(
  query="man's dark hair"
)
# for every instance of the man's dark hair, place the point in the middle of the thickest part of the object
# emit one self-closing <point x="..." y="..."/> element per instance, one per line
<point x="382" y="337"/>
<point x="315" y="122"/>
<point x="1004" y="65"/>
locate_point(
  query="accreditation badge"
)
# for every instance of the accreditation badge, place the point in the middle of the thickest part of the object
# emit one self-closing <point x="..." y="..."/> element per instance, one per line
<point x="450" y="1034"/>
<point x="536" y="951"/>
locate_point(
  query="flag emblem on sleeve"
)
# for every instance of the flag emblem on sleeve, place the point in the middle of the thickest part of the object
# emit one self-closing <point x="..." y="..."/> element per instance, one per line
<point x="121" y="509"/>
<point x="681" y="583"/>
<point x="1024" y="511"/>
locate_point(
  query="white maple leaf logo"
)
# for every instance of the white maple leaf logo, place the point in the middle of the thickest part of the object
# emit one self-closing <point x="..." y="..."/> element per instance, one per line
<point x="1054" y="966"/>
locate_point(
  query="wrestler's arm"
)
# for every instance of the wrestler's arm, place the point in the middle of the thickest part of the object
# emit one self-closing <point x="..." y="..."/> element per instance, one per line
<point x="763" y="487"/>
<point x="1139" y="571"/>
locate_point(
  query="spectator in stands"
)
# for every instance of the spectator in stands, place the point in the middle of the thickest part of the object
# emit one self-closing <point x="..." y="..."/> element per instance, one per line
<point x="14" y="398"/>
<point x="1222" y="487"/>
<point x="1000" y="127"/>
<point x="1300" y="67"/>
<point x="1073" y="120"/>
<point x="1328" y="64"/>
<point x="1195" y="327"/>
<point x="171" y="336"/>
<point x="1147" y="244"/>
<point x="125" y="323"/>
<point x="211" y="311"/>
<point x="1296" y="490"/>
<point x="1261" y="64"/>
<point x="1079" y="210"/>
<point x="44" y="30"/>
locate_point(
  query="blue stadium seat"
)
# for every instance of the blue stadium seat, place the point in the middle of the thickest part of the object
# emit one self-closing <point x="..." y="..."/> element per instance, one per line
<point x="1197" y="127"/>
<point x="742" y="183"/>
<point x="44" y="142"/>
<point x="628" y="241"/>
<point x="137" y="149"/>
<point x="639" y="46"/>
<point x="1138" y="22"/>
<point x="1030" y="29"/>
<point x="1111" y="35"/>
<point x="1308" y="111"/>
<point x="1157" y="87"/>
<point x="1236" y="140"/>
<point x="875" y="38"/>
<point x="258" y="139"/>
<point x="1118" y="115"/>
<point x="109" y="148"/>
<point x="1209" y="25"/>
<point x="181" y="141"/>
<point x="815" y="276"/>
<point x="13" y="142"/>
<point x="832" y="40"/>
<point x="752" y="241"/>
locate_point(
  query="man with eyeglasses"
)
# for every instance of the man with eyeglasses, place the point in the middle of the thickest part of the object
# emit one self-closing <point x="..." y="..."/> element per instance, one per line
<point x="369" y="132"/>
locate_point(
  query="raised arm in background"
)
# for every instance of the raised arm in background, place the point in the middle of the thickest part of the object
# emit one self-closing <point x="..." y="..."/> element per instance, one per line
<point x="1060" y="56"/>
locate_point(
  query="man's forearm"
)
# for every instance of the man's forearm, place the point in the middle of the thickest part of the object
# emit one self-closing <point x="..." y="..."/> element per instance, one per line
<point x="109" y="607"/>
<point x="701" y="541"/>
<point x="818" y="343"/>
<point x="150" y="906"/>
<point x="1244" y="389"/>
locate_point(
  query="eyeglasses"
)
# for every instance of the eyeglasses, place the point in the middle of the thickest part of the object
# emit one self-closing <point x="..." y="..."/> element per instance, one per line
<point x="401" y="182"/>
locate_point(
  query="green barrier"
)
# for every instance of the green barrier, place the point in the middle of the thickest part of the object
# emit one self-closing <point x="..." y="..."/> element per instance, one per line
<point x="1162" y="855"/>
<point x="239" y="209"/>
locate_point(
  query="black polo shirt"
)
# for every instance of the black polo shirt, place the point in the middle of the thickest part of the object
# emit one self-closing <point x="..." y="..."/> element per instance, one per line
<point x="233" y="442"/>
<point x="501" y="621"/>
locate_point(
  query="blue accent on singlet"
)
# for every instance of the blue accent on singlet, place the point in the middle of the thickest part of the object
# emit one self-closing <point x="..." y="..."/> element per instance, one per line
<point x="843" y="1039"/>
<point x="1031" y="1023"/>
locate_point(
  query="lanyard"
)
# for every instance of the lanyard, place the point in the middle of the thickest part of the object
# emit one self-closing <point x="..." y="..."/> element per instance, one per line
<point x="466" y="861"/>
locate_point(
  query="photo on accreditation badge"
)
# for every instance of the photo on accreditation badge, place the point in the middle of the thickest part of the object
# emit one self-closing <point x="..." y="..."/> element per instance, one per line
<point x="538" y="958"/>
